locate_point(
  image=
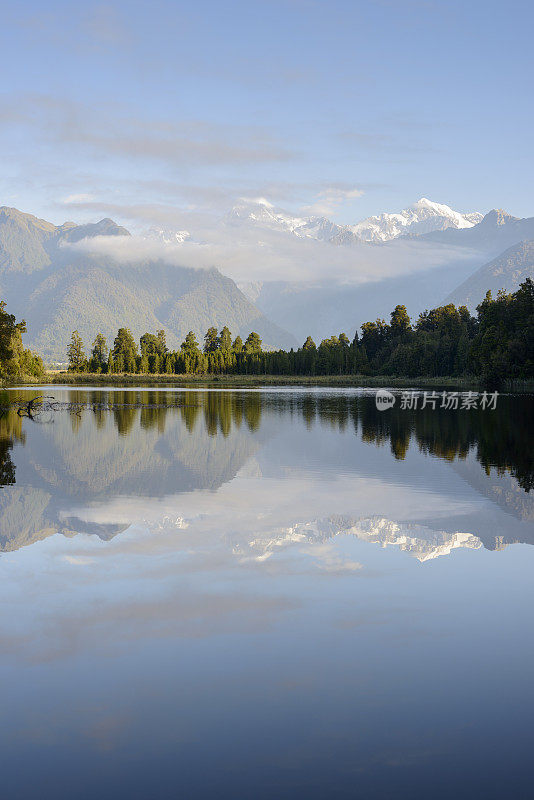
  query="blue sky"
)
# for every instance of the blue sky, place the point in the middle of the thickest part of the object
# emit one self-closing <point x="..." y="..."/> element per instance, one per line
<point x="163" y="110"/>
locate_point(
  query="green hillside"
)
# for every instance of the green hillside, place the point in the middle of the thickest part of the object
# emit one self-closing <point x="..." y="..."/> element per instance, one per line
<point x="56" y="288"/>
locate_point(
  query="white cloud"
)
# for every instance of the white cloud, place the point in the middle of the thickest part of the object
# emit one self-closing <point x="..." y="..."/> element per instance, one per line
<point x="111" y="132"/>
<point x="246" y="253"/>
<point x="75" y="199"/>
<point x="79" y="561"/>
<point x="329" y="200"/>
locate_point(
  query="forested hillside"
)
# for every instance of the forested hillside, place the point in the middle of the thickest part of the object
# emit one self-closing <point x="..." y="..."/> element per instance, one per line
<point x="57" y="286"/>
<point x="504" y="272"/>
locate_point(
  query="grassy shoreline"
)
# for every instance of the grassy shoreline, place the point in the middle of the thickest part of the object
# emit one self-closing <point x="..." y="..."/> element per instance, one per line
<point x="246" y="381"/>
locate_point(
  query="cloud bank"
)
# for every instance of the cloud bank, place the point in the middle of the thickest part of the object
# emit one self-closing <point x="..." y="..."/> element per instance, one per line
<point x="248" y="255"/>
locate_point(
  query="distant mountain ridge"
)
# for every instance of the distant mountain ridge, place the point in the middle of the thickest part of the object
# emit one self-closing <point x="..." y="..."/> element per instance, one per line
<point x="506" y="272"/>
<point x="58" y="288"/>
<point x="323" y="309"/>
<point x="493" y="234"/>
<point x="262" y="213"/>
<point x="424" y="216"/>
<point x="56" y="285"/>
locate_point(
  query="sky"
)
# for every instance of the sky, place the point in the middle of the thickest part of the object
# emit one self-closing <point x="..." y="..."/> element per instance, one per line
<point x="163" y="112"/>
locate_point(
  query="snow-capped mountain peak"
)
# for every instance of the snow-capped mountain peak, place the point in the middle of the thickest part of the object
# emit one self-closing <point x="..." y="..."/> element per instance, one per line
<point x="424" y="216"/>
<point x="260" y="211"/>
<point x="168" y="236"/>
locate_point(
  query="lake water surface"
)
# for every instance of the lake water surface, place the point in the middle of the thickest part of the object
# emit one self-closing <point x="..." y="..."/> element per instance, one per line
<point x="265" y="594"/>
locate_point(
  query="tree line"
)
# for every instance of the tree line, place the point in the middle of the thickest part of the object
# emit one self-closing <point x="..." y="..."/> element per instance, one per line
<point x="497" y="344"/>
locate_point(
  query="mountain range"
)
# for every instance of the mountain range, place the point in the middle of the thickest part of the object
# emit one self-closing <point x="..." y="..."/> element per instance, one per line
<point x="57" y="287"/>
<point x="424" y="216"/>
<point x="426" y="231"/>
<point x="56" y="278"/>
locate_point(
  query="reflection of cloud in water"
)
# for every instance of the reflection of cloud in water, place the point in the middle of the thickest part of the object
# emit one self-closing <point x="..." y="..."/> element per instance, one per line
<point x="290" y="457"/>
<point x="87" y="606"/>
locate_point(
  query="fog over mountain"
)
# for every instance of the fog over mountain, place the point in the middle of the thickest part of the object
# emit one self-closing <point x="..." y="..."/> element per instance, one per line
<point x="314" y="276"/>
<point x="439" y="262"/>
<point x="256" y="267"/>
<point x="422" y="217"/>
<point x="53" y="277"/>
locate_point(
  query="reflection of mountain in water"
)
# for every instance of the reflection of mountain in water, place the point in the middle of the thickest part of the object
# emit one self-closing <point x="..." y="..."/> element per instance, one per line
<point x="499" y="486"/>
<point x="155" y="443"/>
<point x="151" y="451"/>
<point x="419" y="541"/>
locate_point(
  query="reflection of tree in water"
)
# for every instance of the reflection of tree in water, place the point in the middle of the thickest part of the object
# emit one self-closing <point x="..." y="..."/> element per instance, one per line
<point x="125" y="415"/>
<point x="153" y="411"/>
<point x="10" y="431"/>
<point x="252" y="408"/>
<point x="101" y="444"/>
<point x="308" y="411"/>
<point x="217" y="408"/>
<point x="190" y="413"/>
<point x="502" y="439"/>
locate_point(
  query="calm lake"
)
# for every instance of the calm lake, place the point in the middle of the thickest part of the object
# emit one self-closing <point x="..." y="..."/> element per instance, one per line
<point x="279" y="593"/>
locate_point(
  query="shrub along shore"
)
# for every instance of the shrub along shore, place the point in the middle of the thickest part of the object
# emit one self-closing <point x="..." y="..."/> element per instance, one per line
<point x="125" y="380"/>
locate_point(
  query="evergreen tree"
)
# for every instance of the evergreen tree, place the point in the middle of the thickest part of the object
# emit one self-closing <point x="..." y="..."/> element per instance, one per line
<point x="344" y="354"/>
<point x="75" y="353"/>
<point x="253" y="343"/>
<point x="190" y="345"/>
<point x="373" y="337"/>
<point x="99" y="354"/>
<point x="124" y="346"/>
<point x="163" y="342"/>
<point x="14" y="358"/>
<point x="151" y="345"/>
<point x="498" y="345"/>
<point x="211" y="341"/>
<point x="309" y="357"/>
<point x="225" y="339"/>
<point x="400" y="324"/>
<point x="143" y="365"/>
